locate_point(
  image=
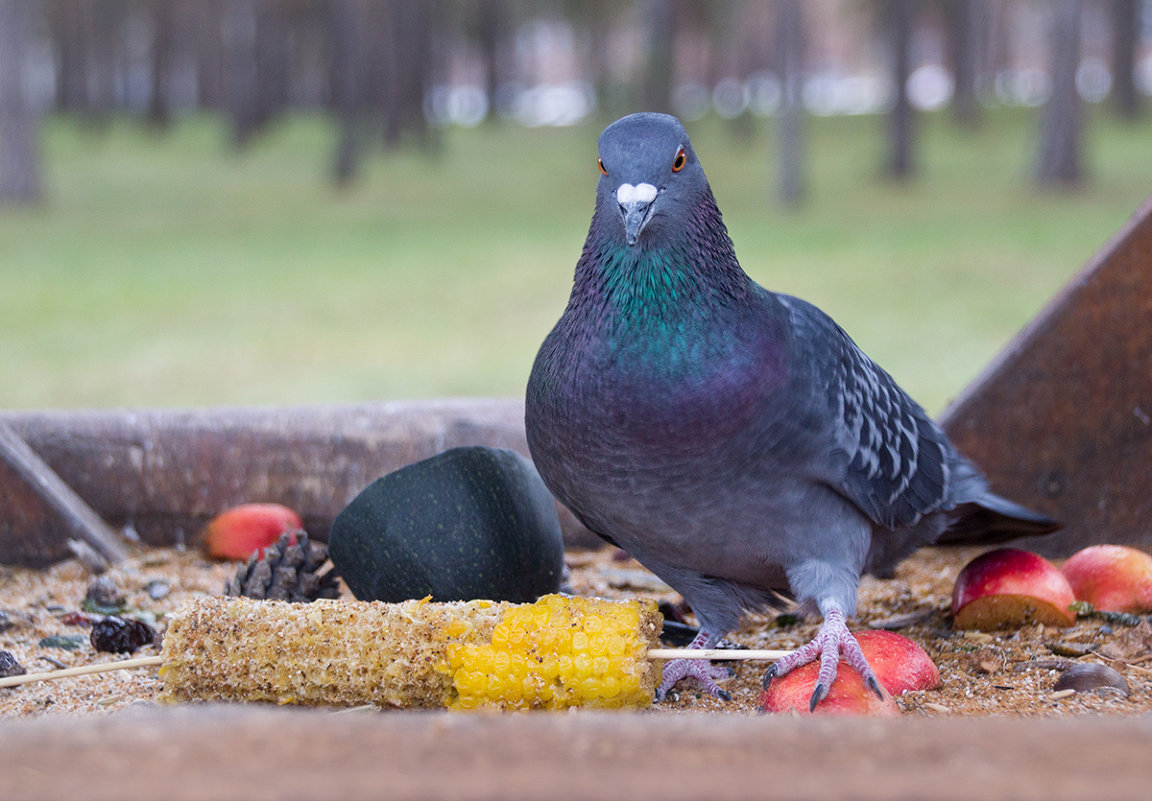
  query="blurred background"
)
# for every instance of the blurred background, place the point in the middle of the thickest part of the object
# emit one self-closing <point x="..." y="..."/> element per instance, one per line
<point x="296" y="201"/>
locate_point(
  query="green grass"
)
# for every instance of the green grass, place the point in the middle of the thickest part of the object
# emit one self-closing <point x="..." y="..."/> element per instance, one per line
<point x="167" y="271"/>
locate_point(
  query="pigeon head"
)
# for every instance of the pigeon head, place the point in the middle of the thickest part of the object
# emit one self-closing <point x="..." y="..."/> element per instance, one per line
<point x="650" y="177"/>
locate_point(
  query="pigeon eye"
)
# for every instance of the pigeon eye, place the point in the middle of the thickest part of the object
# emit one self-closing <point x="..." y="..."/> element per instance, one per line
<point x="678" y="164"/>
<point x="600" y="163"/>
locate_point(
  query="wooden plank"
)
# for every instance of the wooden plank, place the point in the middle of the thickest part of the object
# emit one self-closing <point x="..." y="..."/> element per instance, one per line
<point x="36" y="499"/>
<point x="166" y="472"/>
<point x="1062" y="420"/>
<point x="195" y="754"/>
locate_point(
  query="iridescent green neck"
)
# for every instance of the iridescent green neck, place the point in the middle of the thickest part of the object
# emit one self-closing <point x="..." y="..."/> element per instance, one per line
<point x="646" y="287"/>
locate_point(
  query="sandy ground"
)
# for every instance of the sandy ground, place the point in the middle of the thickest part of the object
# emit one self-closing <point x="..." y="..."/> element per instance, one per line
<point x="1003" y="673"/>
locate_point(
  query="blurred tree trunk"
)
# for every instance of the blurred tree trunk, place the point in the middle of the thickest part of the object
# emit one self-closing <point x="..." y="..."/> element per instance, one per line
<point x="965" y="21"/>
<point x="163" y="15"/>
<point x="492" y="30"/>
<point x="660" y="18"/>
<point x="347" y="23"/>
<point x="407" y="67"/>
<point x="1061" y="123"/>
<point x="207" y="35"/>
<point x="19" y="162"/>
<point x="599" y="25"/>
<point x="70" y="24"/>
<point x="107" y="67"/>
<point x="240" y="84"/>
<point x="901" y="119"/>
<point x="790" y="50"/>
<point x="273" y="55"/>
<point x="1126" y="22"/>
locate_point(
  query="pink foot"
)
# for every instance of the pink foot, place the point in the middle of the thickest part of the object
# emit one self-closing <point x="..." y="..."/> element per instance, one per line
<point x="832" y="641"/>
<point x="702" y="670"/>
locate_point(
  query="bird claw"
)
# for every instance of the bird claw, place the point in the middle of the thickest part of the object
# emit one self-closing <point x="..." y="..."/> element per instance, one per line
<point x="704" y="672"/>
<point x="818" y="695"/>
<point x="832" y="641"/>
<point x="769" y="674"/>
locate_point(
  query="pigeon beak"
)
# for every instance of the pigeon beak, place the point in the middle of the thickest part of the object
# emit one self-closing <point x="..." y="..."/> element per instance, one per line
<point x="635" y="208"/>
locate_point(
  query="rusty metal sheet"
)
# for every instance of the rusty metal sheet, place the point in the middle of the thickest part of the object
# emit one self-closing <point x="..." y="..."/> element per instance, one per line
<point x="35" y="498"/>
<point x="1062" y="419"/>
<point x="166" y="472"/>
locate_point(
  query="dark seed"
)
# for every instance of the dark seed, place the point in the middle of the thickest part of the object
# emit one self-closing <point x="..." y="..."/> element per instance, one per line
<point x="121" y="636"/>
<point x="1091" y="676"/>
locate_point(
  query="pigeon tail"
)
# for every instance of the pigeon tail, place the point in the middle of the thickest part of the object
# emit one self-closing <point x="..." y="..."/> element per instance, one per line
<point x="991" y="520"/>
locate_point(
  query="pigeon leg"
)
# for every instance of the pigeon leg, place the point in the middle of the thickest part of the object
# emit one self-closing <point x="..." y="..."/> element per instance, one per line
<point x="832" y="641"/>
<point x="702" y="670"/>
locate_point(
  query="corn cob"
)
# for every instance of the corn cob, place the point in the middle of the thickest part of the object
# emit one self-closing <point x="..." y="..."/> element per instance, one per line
<point x="559" y="652"/>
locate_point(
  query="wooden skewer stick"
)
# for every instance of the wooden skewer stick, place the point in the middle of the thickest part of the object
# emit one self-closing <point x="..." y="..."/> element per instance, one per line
<point x="156" y="661"/>
<point x="83" y="670"/>
<point x="714" y="653"/>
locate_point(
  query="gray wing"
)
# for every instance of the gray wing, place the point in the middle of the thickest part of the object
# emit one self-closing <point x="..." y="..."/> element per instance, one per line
<point x="890" y="458"/>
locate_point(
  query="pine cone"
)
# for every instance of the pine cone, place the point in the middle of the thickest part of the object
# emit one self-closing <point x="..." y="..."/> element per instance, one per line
<point x="287" y="573"/>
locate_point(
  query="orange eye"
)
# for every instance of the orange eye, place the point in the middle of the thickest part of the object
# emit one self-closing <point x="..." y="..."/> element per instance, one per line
<point x="681" y="160"/>
<point x="600" y="162"/>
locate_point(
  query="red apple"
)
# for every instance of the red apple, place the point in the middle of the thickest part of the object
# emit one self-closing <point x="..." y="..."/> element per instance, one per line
<point x="900" y="665"/>
<point x="237" y="532"/>
<point x="1114" y="578"/>
<point x="848" y="696"/>
<point x="1010" y="587"/>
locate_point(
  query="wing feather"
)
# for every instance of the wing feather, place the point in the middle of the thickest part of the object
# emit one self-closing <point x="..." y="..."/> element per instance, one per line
<point x="896" y="462"/>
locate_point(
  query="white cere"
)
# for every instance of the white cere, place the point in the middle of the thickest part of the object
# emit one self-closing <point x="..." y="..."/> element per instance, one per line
<point x="641" y="193"/>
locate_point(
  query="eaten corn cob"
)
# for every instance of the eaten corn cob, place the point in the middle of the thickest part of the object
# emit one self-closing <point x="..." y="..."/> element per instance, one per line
<point x="558" y="652"/>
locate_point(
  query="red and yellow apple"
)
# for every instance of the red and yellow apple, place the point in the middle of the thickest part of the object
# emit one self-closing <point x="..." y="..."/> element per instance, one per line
<point x="899" y="664"/>
<point x="1113" y="578"/>
<point x="1009" y="587"/>
<point x="250" y="527"/>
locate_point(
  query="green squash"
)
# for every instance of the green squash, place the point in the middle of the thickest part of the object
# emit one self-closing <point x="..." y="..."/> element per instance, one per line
<point x="469" y="523"/>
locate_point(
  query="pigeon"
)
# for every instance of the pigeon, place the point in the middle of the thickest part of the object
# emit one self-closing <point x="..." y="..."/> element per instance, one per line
<point x="735" y="441"/>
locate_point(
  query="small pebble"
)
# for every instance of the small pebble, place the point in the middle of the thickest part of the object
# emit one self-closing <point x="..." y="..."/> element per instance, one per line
<point x="936" y="707"/>
<point x="67" y="642"/>
<point x="103" y="596"/>
<point x="1061" y="694"/>
<point x="158" y="589"/>
<point x="9" y="666"/>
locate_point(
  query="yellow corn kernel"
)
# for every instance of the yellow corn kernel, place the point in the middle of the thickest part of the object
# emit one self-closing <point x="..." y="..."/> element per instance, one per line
<point x="580" y="654"/>
<point x="457" y="627"/>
